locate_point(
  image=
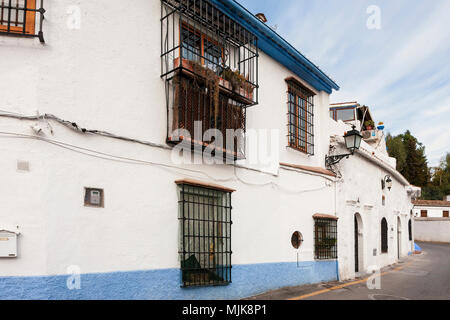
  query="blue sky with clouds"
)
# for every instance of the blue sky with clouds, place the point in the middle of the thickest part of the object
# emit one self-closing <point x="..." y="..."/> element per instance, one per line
<point x="402" y="71"/>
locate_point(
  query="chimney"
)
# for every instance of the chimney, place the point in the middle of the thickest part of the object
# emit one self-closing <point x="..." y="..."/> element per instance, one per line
<point x="261" y="17"/>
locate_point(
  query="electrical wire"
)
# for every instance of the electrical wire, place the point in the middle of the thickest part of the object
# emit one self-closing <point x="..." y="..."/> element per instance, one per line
<point x="74" y="126"/>
<point x="111" y="157"/>
<point x="105" y="156"/>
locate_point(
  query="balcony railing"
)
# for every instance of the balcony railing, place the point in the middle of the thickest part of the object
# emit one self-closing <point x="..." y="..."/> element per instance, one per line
<point x="210" y="64"/>
<point x="22" y="18"/>
<point x="196" y="109"/>
<point x="196" y="37"/>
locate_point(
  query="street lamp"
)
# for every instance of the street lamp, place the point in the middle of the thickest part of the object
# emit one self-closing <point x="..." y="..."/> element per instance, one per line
<point x="386" y="182"/>
<point x="352" y="142"/>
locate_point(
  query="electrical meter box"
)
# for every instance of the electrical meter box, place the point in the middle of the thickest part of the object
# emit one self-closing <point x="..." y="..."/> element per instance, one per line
<point x="8" y="244"/>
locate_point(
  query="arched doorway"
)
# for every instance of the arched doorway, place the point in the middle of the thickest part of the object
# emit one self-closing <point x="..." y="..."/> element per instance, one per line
<point x="399" y="237"/>
<point x="358" y="234"/>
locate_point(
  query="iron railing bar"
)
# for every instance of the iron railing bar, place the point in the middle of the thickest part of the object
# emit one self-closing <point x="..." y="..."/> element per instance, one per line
<point x="9" y="16"/>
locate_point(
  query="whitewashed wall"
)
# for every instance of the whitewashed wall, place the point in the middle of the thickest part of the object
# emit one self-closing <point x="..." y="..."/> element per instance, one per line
<point x="432" y="212"/>
<point x="360" y="192"/>
<point x="432" y="229"/>
<point x="106" y="76"/>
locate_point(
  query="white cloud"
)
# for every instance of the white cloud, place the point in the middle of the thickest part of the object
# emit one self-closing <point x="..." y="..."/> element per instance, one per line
<point x="401" y="71"/>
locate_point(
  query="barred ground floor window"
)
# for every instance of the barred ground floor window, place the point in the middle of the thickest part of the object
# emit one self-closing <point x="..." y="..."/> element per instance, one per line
<point x="205" y="234"/>
<point x="325" y="237"/>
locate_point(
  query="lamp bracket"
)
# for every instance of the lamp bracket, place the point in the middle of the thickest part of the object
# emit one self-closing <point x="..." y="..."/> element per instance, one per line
<point x="331" y="160"/>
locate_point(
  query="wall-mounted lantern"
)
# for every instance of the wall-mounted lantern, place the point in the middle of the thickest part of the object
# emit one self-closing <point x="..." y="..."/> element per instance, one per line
<point x="352" y="142"/>
<point x="386" y="182"/>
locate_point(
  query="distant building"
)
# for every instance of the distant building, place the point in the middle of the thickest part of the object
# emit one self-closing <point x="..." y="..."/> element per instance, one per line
<point x="432" y="221"/>
<point x="432" y="208"/>
<point x="377" y="227"/>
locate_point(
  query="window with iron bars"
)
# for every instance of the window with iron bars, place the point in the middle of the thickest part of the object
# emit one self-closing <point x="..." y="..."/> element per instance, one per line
<point x="205" y="236"/>
<point x="384" y="236"/>
<point x="210" y="65"/>
<point x="300" y="117"/>
<point x="197" y="37"/>
<point x="196" y="104"/>
<point x="325" y="238"/>
<point x="20" y="17"/>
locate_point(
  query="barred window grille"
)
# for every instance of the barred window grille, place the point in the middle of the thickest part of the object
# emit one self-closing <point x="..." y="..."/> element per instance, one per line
<point x="194" y="102"/>
<point x="205" y="236"/>
<point x="325" y="238"/>
<point x="196" y="35"/>
<point x="300" y="117"/>
<point x="20" y="17"/>
<point x="384" y="236"/>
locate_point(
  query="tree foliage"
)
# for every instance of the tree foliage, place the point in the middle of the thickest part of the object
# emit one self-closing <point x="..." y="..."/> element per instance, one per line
<point x="411" y="159"/>
<point x="413" y="165"/>
<point x="439" y="186"/>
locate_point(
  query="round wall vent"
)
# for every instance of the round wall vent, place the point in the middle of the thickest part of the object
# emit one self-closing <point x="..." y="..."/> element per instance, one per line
<point x="296" y="239"/>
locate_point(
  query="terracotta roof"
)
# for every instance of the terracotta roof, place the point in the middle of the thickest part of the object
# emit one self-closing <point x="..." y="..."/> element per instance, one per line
<point x="432" y="203"/>
<point x="311" y="169"/>
<point x="325" y="216"/>
<point x="208" y="185"/>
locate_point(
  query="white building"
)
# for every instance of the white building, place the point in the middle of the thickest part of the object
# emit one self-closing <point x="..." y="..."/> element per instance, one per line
<point x="432" y="208"/>
<point x="376" y="225"/>
<point x="432" y="220"/>
<point x="94" y="205"/>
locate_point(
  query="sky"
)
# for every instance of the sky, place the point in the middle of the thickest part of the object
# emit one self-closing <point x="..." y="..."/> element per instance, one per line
<point x="394" y="58"/>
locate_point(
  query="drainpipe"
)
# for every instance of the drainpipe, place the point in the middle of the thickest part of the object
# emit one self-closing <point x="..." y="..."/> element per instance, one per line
<point x="335" y="213"/>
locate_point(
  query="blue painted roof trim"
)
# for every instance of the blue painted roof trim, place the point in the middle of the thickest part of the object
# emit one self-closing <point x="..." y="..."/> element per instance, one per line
<point x="278" y="48"/>
<point x="344" y="107"/>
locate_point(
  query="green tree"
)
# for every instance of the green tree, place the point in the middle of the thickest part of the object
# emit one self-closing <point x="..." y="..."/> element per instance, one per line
<point x="439" y="185"/>
<point x="411" y="159"/>
<point x="396" y="149"/>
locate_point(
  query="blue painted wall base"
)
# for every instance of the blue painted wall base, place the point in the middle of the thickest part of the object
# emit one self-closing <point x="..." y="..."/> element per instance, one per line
<point x="164" y="284"/>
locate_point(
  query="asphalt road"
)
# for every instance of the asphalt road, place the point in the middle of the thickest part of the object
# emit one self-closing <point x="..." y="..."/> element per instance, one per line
<point x="419" y="277"/>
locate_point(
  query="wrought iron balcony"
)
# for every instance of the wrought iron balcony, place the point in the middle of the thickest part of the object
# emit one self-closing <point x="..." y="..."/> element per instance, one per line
<point x="199" y="40"/>
<point x="210" y="64"/>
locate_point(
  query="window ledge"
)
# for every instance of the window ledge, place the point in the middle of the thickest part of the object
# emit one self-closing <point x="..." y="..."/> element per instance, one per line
<point x="328" y="259"/>
<point x="299" y="150"/>
<point x="197" y="183"/>
<point x="308" y="168"/>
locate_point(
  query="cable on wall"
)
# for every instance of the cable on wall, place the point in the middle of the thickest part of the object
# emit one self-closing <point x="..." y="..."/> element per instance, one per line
<point x="110" y="157"/>
<point x="101" y="155"/>
<point x="74" y="126"/>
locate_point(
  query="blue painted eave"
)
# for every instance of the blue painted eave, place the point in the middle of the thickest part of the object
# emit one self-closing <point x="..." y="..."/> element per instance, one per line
<point x="344" y="107"/>
<point x="278" y="48"/>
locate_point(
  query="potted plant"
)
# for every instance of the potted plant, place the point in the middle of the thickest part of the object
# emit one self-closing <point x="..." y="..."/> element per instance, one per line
<point x="328" y="243"/>
<point x="238" y="82"/>
<point x="369" y="124"/>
